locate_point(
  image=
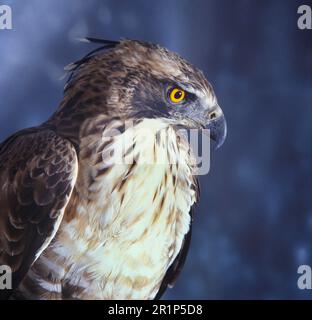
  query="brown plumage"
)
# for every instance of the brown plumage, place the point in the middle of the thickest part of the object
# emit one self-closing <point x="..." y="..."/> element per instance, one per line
<point x="74" y="225"/>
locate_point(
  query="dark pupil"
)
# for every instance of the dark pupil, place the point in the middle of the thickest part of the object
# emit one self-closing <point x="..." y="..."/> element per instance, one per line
<point x="178" y="95"/>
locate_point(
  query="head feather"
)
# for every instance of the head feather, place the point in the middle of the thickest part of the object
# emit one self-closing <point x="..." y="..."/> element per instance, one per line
<point x="72" y="67"/>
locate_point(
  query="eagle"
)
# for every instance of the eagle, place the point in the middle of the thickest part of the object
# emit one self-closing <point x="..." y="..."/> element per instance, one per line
<point x="76" y="225"/>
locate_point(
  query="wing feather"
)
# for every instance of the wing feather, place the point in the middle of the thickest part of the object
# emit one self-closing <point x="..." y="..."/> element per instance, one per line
<point x="38" y="171"/>
<point x="177" y="265"/>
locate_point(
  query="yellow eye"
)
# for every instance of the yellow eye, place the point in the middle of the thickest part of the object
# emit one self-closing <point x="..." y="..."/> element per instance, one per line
<point x="177" y="95"/>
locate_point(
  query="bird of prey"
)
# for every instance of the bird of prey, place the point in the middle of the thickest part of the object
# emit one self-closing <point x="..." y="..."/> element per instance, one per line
<point x="76" y="225"/>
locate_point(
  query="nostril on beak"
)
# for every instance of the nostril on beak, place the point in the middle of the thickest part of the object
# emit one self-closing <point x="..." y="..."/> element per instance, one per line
<point x="212" y="115"/>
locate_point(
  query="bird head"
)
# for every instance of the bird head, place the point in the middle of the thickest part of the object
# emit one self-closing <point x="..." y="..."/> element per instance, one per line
<point x="143" y="80"/>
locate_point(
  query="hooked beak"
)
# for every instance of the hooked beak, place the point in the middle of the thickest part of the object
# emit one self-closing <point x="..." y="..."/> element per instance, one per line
<point x="218" y="131"/>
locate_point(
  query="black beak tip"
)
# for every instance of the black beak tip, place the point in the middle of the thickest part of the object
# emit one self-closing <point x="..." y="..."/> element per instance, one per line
<point x="218" y="132"/>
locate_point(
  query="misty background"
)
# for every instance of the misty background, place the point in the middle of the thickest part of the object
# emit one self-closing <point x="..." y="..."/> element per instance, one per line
<point x="253" y="226"/>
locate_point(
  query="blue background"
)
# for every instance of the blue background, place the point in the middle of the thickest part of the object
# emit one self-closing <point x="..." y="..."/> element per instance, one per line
<point x="253" y="226"/>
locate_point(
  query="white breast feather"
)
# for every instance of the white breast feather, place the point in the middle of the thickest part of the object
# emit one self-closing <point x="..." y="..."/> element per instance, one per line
<point x="132" y="253"/>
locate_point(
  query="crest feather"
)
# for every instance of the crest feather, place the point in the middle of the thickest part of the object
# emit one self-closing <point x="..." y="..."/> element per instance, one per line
<point x="72" y="67"/>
